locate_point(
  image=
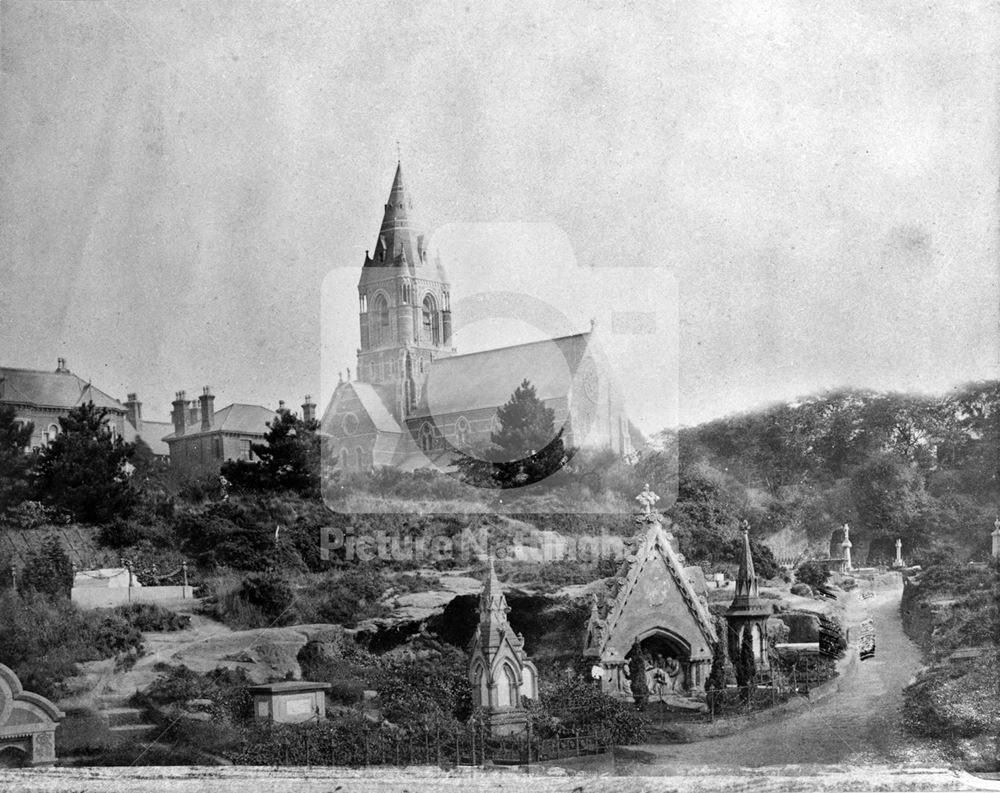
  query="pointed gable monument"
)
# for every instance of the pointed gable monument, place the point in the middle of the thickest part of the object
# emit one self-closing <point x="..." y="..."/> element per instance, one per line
<point x="655" y="605"/>
<point x="499" y="670"/>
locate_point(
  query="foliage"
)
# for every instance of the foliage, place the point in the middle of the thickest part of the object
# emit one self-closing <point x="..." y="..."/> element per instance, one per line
<point x="346" y="598"/>
<point x="289" y="458"/>
<point x="83" y="470"/>
<point x="152" y="617"/>
<point x="746" y="665"/>
<point x="44" y="639"/>
<point x="526" y="447"/>
<point x="48" y="570"/>
<point x="568" y="704"/>
<point x="15" y="437"/>
<point x="717" y="676"/>
<point x="430" y="686"/>
<point x="814" y="574"/>
<point x="637" y="677"/>
<point x="950" y="701"/>
<point x="33" y="515"/>
<point x="225" y="688"/>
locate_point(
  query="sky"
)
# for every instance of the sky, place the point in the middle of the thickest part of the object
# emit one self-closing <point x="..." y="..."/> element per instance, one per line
<point x="187" y="190"/>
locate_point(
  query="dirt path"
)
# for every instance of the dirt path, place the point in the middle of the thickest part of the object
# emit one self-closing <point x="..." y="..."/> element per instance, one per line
<point x="858" y="724"/>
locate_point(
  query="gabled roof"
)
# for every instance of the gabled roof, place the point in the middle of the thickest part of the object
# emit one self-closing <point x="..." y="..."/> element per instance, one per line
<point x="237" y="417"/>
<point x="51" y="389"/>
<point x="462" y="383"/>
<point x="623" y="617"/>
<point x="376" y="401"/>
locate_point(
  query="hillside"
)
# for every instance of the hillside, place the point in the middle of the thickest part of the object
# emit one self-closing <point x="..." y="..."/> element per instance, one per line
<point x="923" y="469"/>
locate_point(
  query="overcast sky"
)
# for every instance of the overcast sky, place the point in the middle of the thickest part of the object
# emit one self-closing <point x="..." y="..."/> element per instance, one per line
<point x="818" y="180"/>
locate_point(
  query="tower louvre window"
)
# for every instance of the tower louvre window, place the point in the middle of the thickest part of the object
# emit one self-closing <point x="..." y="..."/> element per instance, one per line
<point x="431" y="325"/>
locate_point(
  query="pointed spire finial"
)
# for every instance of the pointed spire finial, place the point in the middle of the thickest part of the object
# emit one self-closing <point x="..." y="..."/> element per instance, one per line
<point x="399" y="156"/>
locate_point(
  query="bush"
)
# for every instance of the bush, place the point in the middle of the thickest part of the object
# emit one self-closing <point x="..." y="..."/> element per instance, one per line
<point x="48" y="570"/>
<point x="120" y="533"/>
<point x="814" y="574"/>
<point x="576" y="703"/>
<point x="948" y="701"/>
<point x="44" y="638"/>
<point x="152" y="617"/>
<point x="227" y="689"/>
<point x="33" y="515"/>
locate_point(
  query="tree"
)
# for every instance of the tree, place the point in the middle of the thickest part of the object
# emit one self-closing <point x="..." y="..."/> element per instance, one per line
<point x="289" y="459"/>
<point x="14" y="439"/>
<point x="637" y="677"/>
<point x="83" y="470"/>
<point x="48" y="570"/>
<point x="814" y="574"/>
<point x="888" y="495"/>
<point x="746" y="665"/>
<point x="526" y="448"/>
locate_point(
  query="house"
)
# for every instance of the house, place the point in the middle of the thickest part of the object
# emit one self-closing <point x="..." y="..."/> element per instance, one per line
<point x="203" y="437"/>
<point x="43" y="397"/>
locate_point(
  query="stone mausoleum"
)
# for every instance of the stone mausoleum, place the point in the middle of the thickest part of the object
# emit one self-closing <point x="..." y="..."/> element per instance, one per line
<point x="656" y="606"/>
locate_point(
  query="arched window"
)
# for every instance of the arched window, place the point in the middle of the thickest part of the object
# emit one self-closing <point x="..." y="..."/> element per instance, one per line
<point x="426" y="437"/>
<point x="462" y="432"/>
<point x="513" y="691"/>
<point x="343" y="459"/>
<point x="430" y="320"/>
<point x="359" y="453"/>
<point x="380" y="309"/>
<point x="50" y="434"/>
<point x="480" y="687"/>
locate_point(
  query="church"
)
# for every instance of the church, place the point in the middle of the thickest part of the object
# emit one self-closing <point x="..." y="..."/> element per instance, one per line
<point x="415" y="400"/>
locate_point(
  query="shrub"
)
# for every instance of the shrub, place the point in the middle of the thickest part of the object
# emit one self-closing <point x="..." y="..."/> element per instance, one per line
<point x="814" y="574"/>
<point x="48" y="570"/>
<point x="44" y="638"/>
<point x="120" y="533"/>
<point x="227" y="689"/>
<point x="947" y="701"/>
<point x="577" y="703"/>
<point x="152" y="617"/>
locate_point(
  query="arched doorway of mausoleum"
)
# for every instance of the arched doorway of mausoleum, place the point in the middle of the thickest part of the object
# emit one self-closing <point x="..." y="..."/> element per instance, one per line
<point x="667" y="659"/>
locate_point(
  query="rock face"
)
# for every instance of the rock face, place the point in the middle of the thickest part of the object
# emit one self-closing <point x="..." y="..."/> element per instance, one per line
<point x="264" y="654"/>
<point x="803" y="626"/>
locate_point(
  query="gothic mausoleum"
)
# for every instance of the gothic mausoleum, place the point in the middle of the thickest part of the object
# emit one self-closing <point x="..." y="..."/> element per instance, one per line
<point x="27" y="724"/>
<point x="654" y="604"/>
<point x="499" y="670"/>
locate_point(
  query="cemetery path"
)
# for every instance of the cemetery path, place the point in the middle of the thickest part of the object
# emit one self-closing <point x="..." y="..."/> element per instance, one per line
<point x="860" y="723"/>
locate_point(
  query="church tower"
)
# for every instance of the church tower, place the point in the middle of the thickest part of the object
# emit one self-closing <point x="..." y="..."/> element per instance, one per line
<point x="404" y="305"/>
<point x="748" y="612"/>
<point x="499" y="670"/>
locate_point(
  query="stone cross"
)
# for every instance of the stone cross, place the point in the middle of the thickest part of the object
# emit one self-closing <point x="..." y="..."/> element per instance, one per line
<point x="899" y="553"/>
<point x="648" y="499"/>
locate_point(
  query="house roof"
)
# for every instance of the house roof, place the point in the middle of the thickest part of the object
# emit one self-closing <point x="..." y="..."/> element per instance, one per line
<point x="152" y="435"/>
<point x="51" y="389"/>
<point x="487" y="379"/>
<point x="237" y="417"/>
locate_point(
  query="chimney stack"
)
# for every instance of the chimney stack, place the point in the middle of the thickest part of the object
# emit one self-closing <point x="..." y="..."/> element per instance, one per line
<point x="134" y="408"/>
<point x="281" y="405"/>
<point x="207" y="408"/>
<point x="61" y="366"/>
<point x="178" y="415"/>
<point x="308" y="410"/>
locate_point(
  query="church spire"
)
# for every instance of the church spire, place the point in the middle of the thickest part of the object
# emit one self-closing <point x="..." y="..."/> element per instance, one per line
<point x="493" y="610"/>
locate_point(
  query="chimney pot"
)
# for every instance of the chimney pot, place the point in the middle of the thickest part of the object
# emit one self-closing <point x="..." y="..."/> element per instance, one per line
<point x="61" y="365"/>
<point x="207" y="401"/>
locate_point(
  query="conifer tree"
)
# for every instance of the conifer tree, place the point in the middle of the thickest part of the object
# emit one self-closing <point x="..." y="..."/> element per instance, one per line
<point x="83" y="470"/>
<point x="526" y="448"/>
<point x="14" y="469"/>
<point x="746" y="667"/>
